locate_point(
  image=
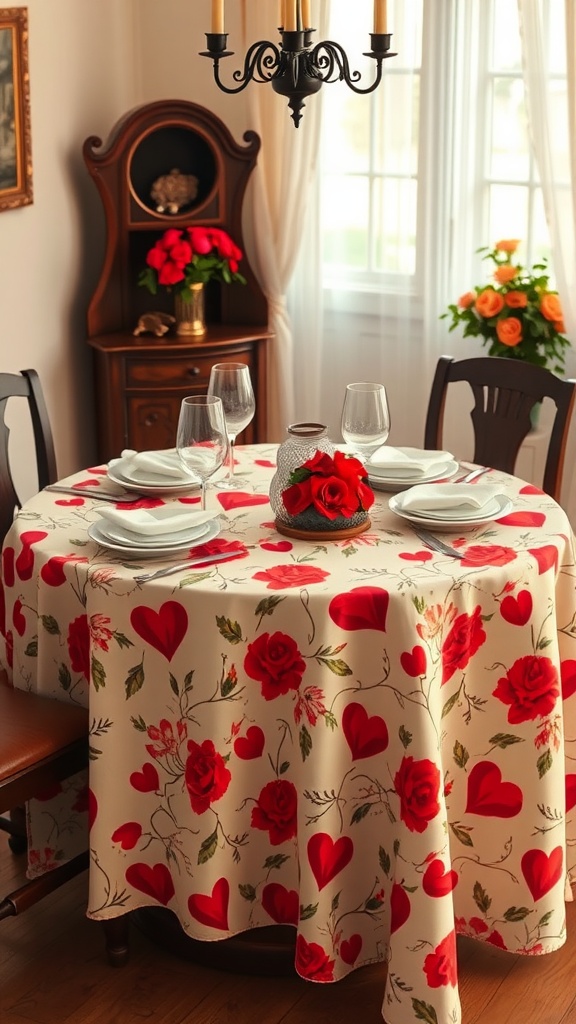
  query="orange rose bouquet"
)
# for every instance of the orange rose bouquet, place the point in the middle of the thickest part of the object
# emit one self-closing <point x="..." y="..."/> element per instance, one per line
<point x="518" y="315"/>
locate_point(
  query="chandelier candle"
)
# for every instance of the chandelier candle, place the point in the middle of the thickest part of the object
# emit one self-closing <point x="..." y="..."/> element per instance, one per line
<point x="297" y="67"/>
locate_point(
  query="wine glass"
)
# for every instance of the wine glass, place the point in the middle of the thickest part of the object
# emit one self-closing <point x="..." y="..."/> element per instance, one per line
<point x="365" y="418"/>
<point x="201" y="438"/>
<point x="232" y="384"/>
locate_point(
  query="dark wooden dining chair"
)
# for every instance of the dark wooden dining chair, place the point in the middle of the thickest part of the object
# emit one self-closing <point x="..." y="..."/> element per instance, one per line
<point x="505" y="392"/>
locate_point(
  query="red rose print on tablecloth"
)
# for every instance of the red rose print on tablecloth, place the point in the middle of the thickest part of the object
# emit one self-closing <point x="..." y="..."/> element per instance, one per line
<point x="489" y="796"/>
<point x="517" y="609"/>
<point x="542" y="871"/>
<point x="155" y="881"/>
<point x="281" y="577"/>
<point x="488" y="554"/>
<point x="570" y="792"/>
<point x="281" y="904"/>
<point x="206" y="776"/>
<point x="437" y="880"/>
<point x="251" y="745"/>
<point x="275" y="661"/>
<point x="520" y="518"/>
<point x="530" y="687"/>
<point x="465" y="637"/>
<point x="276" y="811"/>
<point x="241" y="499"/>
<point x="417" y="783"/>
<point x="440" y="966"/>
<point x="365" y="735"/>
<point x="127" y="835"/>
<point x="546" y="556"/>
<point x="147" y="780"/>
<point x="212" y="910"/>
<point x="568" y="677"/>
<point x="416" y="556"/>
<point x="312" y="961"/>
<point x="350" y="949"/>
<point x="79" y="646"/>
<point x="18" y="618"/>
<point x="327" y="857"/>
<point x="360" y="608"/>
<point x="414" y="662"/>
<point x="164" y="630"/>
<point x="400" y="907"/>
<point x="25" y="561"/>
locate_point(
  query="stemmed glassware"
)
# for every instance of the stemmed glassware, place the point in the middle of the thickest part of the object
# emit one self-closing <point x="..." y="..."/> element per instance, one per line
<point x="232" y="384"/>
<point x="365" y="418"/>
<point x="201" y="438"/>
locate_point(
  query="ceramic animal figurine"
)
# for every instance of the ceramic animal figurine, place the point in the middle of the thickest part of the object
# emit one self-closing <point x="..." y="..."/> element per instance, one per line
<point x="154" y="323"/>
<point x="172" y="191"/>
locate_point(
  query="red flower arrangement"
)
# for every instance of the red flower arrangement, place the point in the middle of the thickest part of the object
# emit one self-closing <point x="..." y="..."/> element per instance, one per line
<point x="333" y="486"/>
<point x="193" y="255"/>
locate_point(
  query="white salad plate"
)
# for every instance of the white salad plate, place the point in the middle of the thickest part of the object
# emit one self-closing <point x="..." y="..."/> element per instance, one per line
<point x="449" y="518"/>
<point x="442" y="471"/>
<point x="164" y="540"/>
<point x="146" y="482"/>
<point x="98" y="532"/>
<point x="155" y="522"/>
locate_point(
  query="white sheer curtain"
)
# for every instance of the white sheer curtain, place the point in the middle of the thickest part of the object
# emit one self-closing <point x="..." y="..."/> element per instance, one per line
<point x="275" y="217"/>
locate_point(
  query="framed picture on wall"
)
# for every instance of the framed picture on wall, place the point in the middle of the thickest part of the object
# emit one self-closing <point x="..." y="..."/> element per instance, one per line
<point x="15" y="134"/>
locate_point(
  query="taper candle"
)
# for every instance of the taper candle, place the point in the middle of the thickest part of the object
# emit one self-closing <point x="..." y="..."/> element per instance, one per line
<point x="306" y="18"/>
<point x="290" y="16"/>
<point x="380" y="17"/>
<point x="218" y="16"/>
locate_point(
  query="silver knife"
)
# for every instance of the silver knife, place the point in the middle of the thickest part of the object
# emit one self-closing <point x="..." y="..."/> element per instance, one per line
<point x="434" y="542"/>
<point x="89" y="492"/>
<point x="220" y="556"/>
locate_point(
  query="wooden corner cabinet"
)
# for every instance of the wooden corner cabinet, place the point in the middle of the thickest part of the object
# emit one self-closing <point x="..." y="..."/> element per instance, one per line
<point x="141" y="379"/>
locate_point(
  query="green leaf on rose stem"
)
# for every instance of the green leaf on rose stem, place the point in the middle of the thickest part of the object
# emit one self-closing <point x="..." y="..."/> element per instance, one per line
<point x="360" y="813"/>
<point x="504" y="739"/>
<point x="424" y="1011"/>
<point x="97" y="673"/>
<point x="64" y="677"/>
<point x="450" y="703"/>
<point x="275" y="861"/>
<point x="134" y="680"/>
<point x="267" y="605"/>
<point x="461" y="755"/>
<point x="139" y="723"/>
<point x="248" y="892"/>
<point x="307" y="912"/>
<point x="516" y="914"/>
<point x="384" y="859"/>
<point x="335" y="902"/>
<point x="336" y="665"/>
<point x="188" y="680"/>
<point x="174" y="684"/>
<point x="283" y="767"/>
<point x="50" y="625"/>
<point x="208" y="848"/>
<point x="544" y="763"/>
<point x="405" y="737"/>
<point x="32" y="648"/>
<point x="122" y="640"/>
<point x="330" y="720"/>
<point x="231" y="631"/>
<point x="481" y="898"/>
<point x="545" y="920"/>
<point x="462" y="833"/>
<point x="305" y="742"/>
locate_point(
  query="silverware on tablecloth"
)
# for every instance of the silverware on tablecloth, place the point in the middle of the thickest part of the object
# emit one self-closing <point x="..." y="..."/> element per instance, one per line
<point x="434" y="542"/>
<point x="472" y="475"/>
<point x="92" y="492"/>
<point x="220" y="556"/>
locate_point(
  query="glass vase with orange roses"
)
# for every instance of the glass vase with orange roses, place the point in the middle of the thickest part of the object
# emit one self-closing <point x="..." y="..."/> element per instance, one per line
<point x="517" y="315"/>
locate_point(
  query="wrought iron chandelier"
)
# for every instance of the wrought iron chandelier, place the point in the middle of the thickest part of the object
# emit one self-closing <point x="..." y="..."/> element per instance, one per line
<point x="297" y="68"/>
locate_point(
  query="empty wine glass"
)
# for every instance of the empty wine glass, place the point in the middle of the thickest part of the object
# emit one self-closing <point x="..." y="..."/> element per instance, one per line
<point x="201" y="438"/>
<point x="365" y="418"/>
<point x="232" y="384"/>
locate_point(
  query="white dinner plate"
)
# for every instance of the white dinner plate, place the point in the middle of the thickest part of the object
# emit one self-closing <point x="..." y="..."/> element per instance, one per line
<point x="444" y="471"/>
<point x="165" y="540"/>
<point x="503" y="506"/>
<point x="160" y="521"/>
<point x="96" y="533"/>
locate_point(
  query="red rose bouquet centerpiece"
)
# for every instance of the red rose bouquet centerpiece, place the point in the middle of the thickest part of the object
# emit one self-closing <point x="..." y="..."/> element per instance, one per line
<point x="517" y="315"/>
<point x="327" y="493"/>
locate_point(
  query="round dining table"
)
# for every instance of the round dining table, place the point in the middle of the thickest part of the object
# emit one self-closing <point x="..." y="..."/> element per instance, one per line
<point x="366" y="740"/>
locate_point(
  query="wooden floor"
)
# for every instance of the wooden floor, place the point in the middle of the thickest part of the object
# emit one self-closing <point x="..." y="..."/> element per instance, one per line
<point x="53" y="971"/>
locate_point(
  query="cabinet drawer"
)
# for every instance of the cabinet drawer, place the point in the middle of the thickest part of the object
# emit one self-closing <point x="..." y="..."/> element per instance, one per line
<point x="194" y="369"/>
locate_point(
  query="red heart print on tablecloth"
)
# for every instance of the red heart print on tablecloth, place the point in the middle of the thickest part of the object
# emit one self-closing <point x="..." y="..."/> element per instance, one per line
<point x="547" y="557"/>
<point x="517" y="609"/>
<point x="416" y="556"/>
<point x="350" y="949"/>
<point x="489" y="796"/>
<point x="212" y="910"/>
<point x="365" y="735"/>
<point x="437" y="881"/>
<point x="164" y="629"/>
<point x="568" y="677"/>
<point x="70" y="501"/>
<point x="251" y="745"/>
<point x="18" y="618"/>
<point x="153" y="880"/>
<point x="541" y="871"/>
<point x="147" y="780"/>
<point x="530" y="489"/>
<point x="241" y="499"/>
<point x="282" y="905"/>
<point x="570" y="792"/>
<point x="414" y="662"/>
<point x="360" y="608"/>
<point x="327" y="858"/>
<point x="265" y="463"/>
<point x="25" y="561"/>
<point x="127" y="835"/>
<point x="8" y="567"/>
<point x="523" y="519"/>
<point x="281" y="545"/>
<point x="399" y="907"/>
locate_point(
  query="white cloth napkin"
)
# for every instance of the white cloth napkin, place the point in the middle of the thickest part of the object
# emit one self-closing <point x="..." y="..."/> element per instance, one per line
<point x="154" y="522"/>
<point x="461" y="497"/>
<point x="408" y="461"/>
<point x="162" y="463"/>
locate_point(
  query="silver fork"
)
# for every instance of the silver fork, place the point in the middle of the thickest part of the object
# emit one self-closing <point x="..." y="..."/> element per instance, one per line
<point x="434" y="542"/>
<point x="472" y="475"/>
<point x="218" y="556"/>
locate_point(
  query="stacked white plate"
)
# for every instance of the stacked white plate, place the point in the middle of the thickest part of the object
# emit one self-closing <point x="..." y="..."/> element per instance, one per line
<point x="449" y="505"/>
<point x="395" y="469"/>
<point x="151" y="472"/>
<point x="159" y="531"/>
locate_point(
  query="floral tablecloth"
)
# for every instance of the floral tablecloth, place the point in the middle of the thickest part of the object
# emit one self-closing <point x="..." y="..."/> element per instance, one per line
<point x="365" y="739"/>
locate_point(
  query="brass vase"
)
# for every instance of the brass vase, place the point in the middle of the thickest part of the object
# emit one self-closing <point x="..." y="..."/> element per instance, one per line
<point x="189" y="310"/>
